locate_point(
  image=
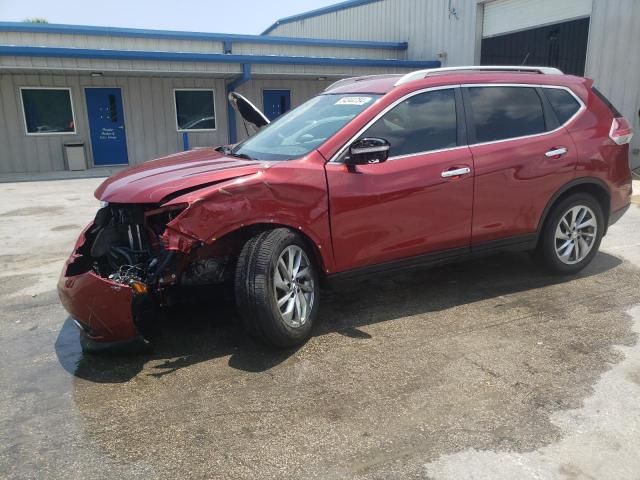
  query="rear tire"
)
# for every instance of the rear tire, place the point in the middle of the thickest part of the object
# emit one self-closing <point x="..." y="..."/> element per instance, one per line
<point x="277" y="288"/>
<point x="572" y="233"/>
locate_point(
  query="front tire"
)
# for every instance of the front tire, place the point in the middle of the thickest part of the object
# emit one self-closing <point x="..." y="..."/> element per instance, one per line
<point x="572" y="234"/>
<point x="277" y="288"/>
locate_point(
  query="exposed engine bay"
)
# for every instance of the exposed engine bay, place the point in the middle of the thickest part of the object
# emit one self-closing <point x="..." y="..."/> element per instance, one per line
<point x="125" y="245"/>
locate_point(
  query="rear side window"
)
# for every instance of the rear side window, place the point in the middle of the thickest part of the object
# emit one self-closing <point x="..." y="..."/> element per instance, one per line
<point x="500" y="113"/>
<point x="421" y="123"/>
<point x="563" y="103"/>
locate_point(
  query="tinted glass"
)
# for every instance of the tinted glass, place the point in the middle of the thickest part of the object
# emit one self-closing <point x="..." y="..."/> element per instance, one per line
<point x="505" y="112"/>
<point x="47" y="111"/>
<point x="299" y="131"/>
<point x="195" y="110"/>
<point x="424" y="122"/>
<point x="562" y="102"/>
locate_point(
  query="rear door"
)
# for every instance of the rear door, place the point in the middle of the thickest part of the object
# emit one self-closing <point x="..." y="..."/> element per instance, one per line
<point x="408" y="205"/>
<point x="522" y="156"/>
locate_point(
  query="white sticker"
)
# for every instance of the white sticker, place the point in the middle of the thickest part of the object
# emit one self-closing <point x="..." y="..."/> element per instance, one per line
<point x="353" y="101"/>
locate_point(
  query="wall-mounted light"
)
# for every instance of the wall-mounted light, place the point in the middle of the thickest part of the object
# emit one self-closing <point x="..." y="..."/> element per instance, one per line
<point x="96" y="74"/>
<point x="321" y="78"/>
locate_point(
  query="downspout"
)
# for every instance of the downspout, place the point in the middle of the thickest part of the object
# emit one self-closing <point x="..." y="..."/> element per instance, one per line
<point x="231" y="113"/>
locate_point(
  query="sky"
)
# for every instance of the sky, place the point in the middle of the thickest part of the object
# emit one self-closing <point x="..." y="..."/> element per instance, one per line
<point x="221" y="16"/>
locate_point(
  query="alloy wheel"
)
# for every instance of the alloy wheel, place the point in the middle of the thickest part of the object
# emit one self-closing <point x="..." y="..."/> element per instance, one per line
<point x="575" y="234"/>
<point x="294" y="286"/>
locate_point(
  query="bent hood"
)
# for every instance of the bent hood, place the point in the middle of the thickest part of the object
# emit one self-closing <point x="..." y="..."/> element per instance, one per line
<point x="170" y="176"/>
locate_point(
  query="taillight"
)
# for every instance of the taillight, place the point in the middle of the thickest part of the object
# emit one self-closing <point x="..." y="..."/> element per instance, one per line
<point x="620" y="132"/>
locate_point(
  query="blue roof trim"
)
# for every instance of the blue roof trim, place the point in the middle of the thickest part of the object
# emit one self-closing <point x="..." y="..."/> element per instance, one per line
<point x="180" y="35"/>
<point x="63" y="52"/>
<point x="319" y="11"/>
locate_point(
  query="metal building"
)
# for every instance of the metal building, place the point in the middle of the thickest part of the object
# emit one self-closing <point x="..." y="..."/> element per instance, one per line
<point x="103" y="97"/>
<point x="595" y="38"/>
<point x="75" y="96"/>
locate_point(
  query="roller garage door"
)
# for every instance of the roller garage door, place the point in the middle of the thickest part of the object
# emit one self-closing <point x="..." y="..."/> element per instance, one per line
<point x="536" y="32"/>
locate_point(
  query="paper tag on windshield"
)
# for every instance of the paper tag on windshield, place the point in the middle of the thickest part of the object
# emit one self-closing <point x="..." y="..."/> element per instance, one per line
<point x="353" y="101"/>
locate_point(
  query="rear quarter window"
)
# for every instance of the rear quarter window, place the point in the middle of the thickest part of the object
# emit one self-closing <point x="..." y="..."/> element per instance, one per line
<point x="563" y="103"/>
<point x="500" y="113"/>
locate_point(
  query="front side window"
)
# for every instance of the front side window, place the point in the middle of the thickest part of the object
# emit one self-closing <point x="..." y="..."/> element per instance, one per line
<point x="500" y="113"/>
<point x="47" y="111"/>
<point x="562" y="102"/>
<point x="421" y="123"/>
<point x="195" y="110"/>
<point x="301" y="130"/>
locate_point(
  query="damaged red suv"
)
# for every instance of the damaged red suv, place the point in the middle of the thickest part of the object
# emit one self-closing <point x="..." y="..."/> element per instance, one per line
<point x="376" y="173"/>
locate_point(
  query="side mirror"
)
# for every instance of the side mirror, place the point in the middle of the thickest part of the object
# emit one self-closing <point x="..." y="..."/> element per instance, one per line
<point x="368" y="150"/>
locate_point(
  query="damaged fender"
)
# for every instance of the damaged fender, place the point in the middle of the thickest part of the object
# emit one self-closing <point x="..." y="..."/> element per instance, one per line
<point x="291" y="193"/>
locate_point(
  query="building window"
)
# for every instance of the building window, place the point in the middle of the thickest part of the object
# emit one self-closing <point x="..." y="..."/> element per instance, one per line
<point x="195" y="110"/>
<point x="48" y="111"/>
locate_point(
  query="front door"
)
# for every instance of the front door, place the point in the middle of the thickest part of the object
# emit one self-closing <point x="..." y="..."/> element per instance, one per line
<point x="276" y="102"/>
<point x="412" y="204"/>
<point x="106" y="126"/>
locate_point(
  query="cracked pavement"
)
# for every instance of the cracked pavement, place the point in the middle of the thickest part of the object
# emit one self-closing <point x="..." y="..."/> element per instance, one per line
<point x="487" y="369"/>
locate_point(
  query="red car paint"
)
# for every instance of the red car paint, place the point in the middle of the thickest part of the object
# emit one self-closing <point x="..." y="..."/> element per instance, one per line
<point x="384" y="212"/>
<point x="102" y="307"/>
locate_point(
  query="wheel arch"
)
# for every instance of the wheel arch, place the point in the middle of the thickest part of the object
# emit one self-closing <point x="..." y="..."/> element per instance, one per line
<point x="238" y="236"/>
<point x="592" y="185"/>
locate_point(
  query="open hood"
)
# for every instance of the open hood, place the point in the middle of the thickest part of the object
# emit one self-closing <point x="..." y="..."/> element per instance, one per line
<point x="252" y="117"/>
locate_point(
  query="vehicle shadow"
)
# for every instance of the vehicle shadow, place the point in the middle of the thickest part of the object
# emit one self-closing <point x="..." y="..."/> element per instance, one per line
<point x="201" y="332"/>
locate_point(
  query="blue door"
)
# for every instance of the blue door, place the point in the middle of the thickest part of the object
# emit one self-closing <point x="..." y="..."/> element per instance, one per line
<point x="276" y="102"/>
<point x="106" y="126"/>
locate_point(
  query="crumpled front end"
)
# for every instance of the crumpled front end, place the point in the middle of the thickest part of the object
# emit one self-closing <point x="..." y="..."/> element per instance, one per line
<point x="119" y="272"/>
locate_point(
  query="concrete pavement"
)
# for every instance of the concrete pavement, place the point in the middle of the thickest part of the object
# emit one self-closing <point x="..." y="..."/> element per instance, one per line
<point x="488" y="369"/>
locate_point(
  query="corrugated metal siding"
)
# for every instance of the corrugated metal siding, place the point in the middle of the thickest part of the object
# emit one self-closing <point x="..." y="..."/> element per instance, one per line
<point x="191" y="46"/>
<point x="613" y="60"/>
<point x="426" y="25"/>
<point x="124" y="66"/>
<point x="149" y="119"/>
<point x="503" y="16"/>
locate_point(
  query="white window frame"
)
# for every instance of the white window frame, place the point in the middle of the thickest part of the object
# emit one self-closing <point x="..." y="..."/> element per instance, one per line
<point x="175" y="109"/>
<point x="40" y="134"/>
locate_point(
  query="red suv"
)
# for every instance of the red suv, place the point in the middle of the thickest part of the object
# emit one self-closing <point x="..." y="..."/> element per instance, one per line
<point x="375" y="173"/>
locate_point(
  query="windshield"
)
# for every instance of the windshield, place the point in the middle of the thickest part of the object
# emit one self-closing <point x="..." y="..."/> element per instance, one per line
<point x="304" y="128"/>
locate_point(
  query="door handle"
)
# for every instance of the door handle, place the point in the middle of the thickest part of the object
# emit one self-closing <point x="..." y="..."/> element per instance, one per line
<point x="556" y="152"/>
<point x="456" y="172"/>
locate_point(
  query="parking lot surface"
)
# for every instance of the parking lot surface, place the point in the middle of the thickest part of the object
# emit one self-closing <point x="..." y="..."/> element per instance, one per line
<point x="488" y="369"/>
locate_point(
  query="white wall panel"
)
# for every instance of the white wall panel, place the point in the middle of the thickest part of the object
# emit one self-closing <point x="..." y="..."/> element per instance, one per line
<point x="503" y="16"/>
<point x="613" y="60"/>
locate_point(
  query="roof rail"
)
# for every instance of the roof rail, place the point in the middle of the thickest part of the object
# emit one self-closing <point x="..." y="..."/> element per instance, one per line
<point x="419" y="74"/>
<point x="346" y="81"/>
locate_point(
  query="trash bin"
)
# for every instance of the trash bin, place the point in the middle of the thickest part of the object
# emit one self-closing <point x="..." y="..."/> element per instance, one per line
<point x="74" y="156"/>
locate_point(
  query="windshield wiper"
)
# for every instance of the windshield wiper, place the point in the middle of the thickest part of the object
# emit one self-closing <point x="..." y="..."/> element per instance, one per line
<point x="240" y="155"/>
<point x="229" y="151"/>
